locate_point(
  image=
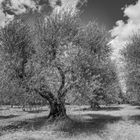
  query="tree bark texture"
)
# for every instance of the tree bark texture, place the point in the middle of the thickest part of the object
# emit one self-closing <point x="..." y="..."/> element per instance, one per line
<point x="94" y="105"/>
<point x="57" y="107"/>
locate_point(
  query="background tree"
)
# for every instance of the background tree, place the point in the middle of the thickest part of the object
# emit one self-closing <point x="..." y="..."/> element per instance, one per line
<point x="111" y="84"/>
<point x="131" y="55"/>
<point x="16" y="50"/>
<point x="93" y="62"/>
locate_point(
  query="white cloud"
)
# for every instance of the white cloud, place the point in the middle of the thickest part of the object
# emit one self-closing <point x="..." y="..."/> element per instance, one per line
<point x="2" y="18"/>
<point x="16" y="6"/>
<point x="69" y="5"/>
<point x="124" y="30"/>
<point x="133" y="12"/>
<point x="122" y="33"/>
<point x="20" y="6"/>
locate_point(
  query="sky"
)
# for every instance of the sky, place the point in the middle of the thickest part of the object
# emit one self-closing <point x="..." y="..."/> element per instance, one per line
<point x="122" y="19"/>
<point x="17" y="7"/>
<point x="106" y="12"/>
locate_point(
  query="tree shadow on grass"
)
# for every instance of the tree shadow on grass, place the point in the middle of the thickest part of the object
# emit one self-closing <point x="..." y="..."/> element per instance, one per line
<point x="29" y="124"/>
<point x="135" y="104"/>
<point x="138" y="108"/>
<point x="135" y="118"/>
<point x="4" y="108"/>
<point x="8" y="117"/>
<point x="100" y="109"/>
<point x="90" y="124"/>
<point x="35" y="111"/>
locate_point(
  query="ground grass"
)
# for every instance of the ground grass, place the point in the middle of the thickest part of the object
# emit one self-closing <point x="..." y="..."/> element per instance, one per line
<point x="110" y="123"/>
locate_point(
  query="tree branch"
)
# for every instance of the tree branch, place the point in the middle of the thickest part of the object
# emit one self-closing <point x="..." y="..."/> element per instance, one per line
<point x="46" y="95"/>
<point x="62" y="81"/>
<point x="69" y="88"/>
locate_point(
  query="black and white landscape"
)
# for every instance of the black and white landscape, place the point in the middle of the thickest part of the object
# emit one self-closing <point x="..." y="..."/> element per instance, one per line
<point x="69" y="69"/>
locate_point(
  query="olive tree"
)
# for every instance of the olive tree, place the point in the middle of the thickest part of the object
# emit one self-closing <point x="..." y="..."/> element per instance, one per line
<point x="69" y="55"/>
<point x="93" y="62"/>
<point x="131" y="54"/>
<point x="55" y="54"/>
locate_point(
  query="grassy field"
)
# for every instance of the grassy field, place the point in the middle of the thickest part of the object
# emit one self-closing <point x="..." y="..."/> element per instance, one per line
<point x="110" y="123"/>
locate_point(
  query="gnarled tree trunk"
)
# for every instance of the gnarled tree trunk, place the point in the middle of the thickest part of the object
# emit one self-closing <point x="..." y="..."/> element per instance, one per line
<point x="57" y="110"/>
<point x="94" y="105"/>
<point x="57" y="107"/>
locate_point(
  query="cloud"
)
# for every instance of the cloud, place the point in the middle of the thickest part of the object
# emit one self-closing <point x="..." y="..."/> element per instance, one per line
<point x="121" y="34"/>
<point x="2" y="18"/>
<point x="16" y="7"/>
<point x="70" y="5"/>
<point x="8" y="8"/>
<point x="125" y="29"/>
<point x="133" y="12"/>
